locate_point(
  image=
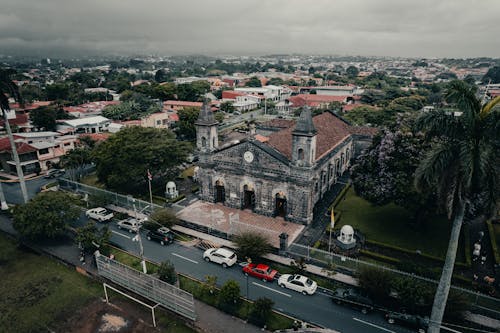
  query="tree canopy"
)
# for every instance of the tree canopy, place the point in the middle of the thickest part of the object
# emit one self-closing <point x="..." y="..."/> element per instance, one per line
<point x="253" y="82"/>
<point x="45" y="216"/>
<point x="122" y="161"/>
<point x="185" y="126"/>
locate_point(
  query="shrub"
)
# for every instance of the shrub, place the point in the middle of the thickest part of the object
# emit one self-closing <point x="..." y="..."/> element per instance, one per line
<point x="298" y="266"/>
<point x="167" y="273"/>
<point x="164" y="217"/>
<point x="376" y="282"/>
<point x="210" y="284"/>
<point x="261" y="311"/>
<point x="251" y="245"/>
<point x="229" y="297"/>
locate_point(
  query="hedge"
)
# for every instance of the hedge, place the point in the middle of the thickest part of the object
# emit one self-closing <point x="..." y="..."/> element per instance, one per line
<point x="423" y="255"/>
<point x="380" y="257"/>
<point x="493" y="241"/>
<point x="340" y="196"/>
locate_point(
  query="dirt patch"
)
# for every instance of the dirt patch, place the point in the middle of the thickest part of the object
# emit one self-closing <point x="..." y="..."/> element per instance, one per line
<point x="102" y="317"/>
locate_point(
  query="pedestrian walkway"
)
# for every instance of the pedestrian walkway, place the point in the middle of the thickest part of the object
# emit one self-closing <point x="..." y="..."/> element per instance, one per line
<point x="211" y="320"/>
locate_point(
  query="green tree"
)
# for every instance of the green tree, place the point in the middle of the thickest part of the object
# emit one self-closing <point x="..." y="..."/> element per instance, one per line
<point x="261" y="311"/>
<point x="210" y="284"/>
<point x="492" y="76"/>
<point x="185" y="126"/>
<point x="92" y="238"/>
<point x="219" y="116"/>
<point x="251" y="245"/>
<point x="162" y="217"/>
<point x="352" y="71"/>
<point x="44" y="118"/>
<point x="276" y="81"/>
<point x="229" y="296"/>
<point x="227" y="107"/>
<point x="461" y="166"/>
<point x="75" y="160"/>
<point x="166" y="272"/>
<point x="122" y="161"/>
<point x="253" y="82"/>
<point x="46" y="216"/>
<point x="376" y="282"/>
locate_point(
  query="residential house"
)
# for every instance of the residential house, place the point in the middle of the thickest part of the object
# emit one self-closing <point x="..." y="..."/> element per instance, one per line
<point x="180" y="105"/>
<point x="95" y="124"/>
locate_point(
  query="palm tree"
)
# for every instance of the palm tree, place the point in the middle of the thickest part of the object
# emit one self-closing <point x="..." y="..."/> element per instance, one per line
<point x="461" y="166"/>
<point x="10" y="89"/>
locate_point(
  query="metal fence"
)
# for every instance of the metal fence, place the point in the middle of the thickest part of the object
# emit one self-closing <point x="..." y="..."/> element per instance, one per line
<point x="352" y="265"/>
<point x="149" y="287"/>
<point x="108" y="197"/>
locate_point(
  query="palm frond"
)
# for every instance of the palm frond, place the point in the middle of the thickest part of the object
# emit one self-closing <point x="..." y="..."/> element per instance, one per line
<point x="435" y="163"/>
<point x="464" y="97"/>
<point x="439" y="123"/>
<point x="488" y="107"/>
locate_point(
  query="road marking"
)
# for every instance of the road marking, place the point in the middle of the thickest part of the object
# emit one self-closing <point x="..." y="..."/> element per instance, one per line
<point x="276" y="291"/>
<point x="120" y="234"/>
<point x="373" y="325"/>
<point x="178" y="255"/>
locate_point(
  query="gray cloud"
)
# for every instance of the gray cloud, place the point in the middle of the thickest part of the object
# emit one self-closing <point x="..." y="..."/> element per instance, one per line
<point x="425" y="28"/>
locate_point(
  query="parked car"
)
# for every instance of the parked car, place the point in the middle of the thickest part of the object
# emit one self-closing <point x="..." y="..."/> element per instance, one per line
<point x="299" y="283"/>
<point x="163" y="235"/>
<point x="100" y="214"/>
<point x="225" y="257"/>
<point x="353" y="297"/>
<point x="54" y="173"/>
<point x="130" y="224"/>
<point x="260" y="271"/>
<point x="408" y="320"/>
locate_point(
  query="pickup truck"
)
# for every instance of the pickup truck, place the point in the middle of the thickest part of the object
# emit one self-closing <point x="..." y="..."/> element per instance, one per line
<point x="100" y="214"/>
<point x="354" y="298"/>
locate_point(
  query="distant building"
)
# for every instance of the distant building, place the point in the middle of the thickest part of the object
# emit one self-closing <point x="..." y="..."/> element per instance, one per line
<point x="95" y="124"/>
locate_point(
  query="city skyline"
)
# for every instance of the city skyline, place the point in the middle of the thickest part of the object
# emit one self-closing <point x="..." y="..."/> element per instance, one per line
<point x="426" y="29"/>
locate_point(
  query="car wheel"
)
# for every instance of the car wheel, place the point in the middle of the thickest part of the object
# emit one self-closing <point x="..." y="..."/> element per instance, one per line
<point x="207" y="259"/>
<point x="162" y="242"/>
<point x="364" y="310"/>
<point x="149" y="238"/>
<point x="304" y="293"/>
<point x="282" y="285"/>
<point x="390" y="321"/>
<point x="224" y="265"/>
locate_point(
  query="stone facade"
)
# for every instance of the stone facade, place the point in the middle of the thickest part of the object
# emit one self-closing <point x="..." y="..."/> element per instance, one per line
<point x="260" y="176"/>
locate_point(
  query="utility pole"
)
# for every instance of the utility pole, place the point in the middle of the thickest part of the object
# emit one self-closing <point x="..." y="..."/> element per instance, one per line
<point x="137" y="238"/>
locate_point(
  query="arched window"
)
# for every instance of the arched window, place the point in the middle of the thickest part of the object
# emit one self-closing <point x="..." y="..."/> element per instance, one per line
<point x="301" y="154"/>
<point x="203" y="141"/>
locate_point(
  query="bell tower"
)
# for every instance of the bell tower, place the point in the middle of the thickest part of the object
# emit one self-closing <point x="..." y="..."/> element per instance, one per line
<point x="304" y="140"/>
<point x="207" y="139"/>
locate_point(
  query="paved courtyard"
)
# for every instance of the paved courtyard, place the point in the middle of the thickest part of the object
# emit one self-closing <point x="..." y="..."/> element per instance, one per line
<point x="234" y="221"/>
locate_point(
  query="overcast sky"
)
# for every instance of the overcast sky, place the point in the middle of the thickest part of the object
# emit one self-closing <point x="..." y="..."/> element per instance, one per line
<point x="418" y="28"/>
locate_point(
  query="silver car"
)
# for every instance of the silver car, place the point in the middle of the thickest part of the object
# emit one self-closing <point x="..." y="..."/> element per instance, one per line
<point x="130" y="224"/>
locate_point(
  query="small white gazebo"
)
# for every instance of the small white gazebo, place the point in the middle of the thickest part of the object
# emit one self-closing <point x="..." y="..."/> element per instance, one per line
<point x="346" y="235"/>
<point x="171" y="190"/>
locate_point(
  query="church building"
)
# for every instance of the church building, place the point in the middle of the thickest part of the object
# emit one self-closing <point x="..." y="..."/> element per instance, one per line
<point x="283" y="174"/>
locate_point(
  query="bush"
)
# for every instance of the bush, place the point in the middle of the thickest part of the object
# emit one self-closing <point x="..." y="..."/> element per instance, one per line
<point x="380" y="257"/>
<point x="229" y="297"/>
<point x="412" y="267"/>
<point x="164" y="217"/>
<point x="167" y="273"/>
<point x="376" y="282"/>
<point x="251" y="245"/>
<point x="298" y="266"/>
<point x="261" y="311"/>
<point x="210" y="285"/>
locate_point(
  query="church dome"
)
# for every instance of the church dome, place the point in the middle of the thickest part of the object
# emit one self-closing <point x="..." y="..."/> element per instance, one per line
<point x="171" y="185"/>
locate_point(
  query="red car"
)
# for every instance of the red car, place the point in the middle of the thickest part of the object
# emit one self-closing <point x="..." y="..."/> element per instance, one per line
<point x="261" y="271"/>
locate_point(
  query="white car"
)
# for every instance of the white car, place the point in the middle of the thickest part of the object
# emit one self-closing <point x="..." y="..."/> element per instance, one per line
<point x="299" y="283"/>
<point x="225" y="257"/>
<point x="130" y="224"/>
<point x="100" y="214"/>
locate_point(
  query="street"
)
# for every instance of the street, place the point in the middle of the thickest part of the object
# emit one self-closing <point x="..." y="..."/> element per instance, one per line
<point x="316" y="309"/>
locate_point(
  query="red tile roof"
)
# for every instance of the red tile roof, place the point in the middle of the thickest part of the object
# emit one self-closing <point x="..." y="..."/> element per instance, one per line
<point x="173" y="117"/>
<point x="32" y="106"/>
<point x="230" y="94"/>
<point x="331" y="131"/>
<point x="21" y="119"/>
<point x="261" y="138"/>
<point x="182" y="103"/>
<point x="21" y="147"/>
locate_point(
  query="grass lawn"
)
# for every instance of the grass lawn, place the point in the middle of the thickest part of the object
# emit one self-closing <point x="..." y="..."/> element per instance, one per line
<point x="92" y="180"/>
<point x="38" y="292"/>
<point x="389" y="224"/>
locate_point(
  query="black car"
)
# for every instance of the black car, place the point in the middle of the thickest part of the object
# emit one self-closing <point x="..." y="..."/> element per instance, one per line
<point x="163" y="235"/>
<point x="353" y="297"/>
<point x="408" y="320"/>
<point x="54" y="173"/>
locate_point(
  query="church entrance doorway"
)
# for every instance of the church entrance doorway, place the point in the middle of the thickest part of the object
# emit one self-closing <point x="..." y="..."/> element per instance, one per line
<point x="220" y="192"/>
<point x="248" y="197"/>
<point x="280" y="204"/>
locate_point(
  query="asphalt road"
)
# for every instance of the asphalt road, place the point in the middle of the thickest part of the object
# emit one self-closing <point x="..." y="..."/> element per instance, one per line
<point x="316" y="309"/>
<point x="12" y="190"/>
